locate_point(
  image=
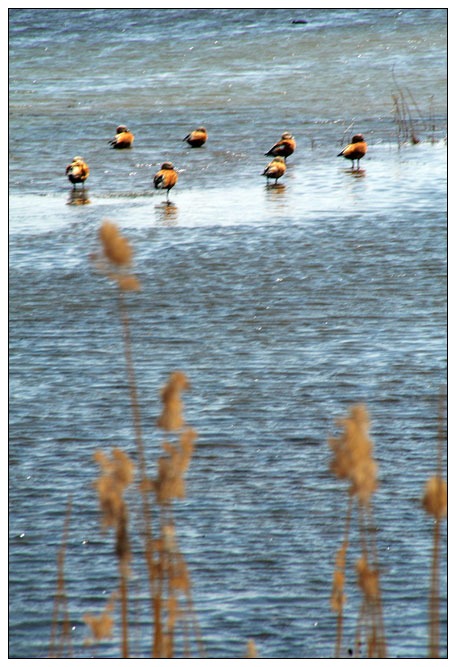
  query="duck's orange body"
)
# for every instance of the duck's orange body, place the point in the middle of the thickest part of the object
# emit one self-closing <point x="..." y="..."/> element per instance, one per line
<point x="196" y="138"/>
<point x="284" y="147"/>
<point x="166" y="178"/>
<point x="355" y="150"/>
<point x="123" y="139"/>
<point x="77" y="171"/>
<point x="276" y="168"/>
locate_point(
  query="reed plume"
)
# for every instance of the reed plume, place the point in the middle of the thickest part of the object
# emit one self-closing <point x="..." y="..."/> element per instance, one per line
<point x="116" y="257"/>
<point x="435" y="497"/>
<point x="116" y="247"/>
<point x="171" y="418"/>
<point x="353" y="461"/>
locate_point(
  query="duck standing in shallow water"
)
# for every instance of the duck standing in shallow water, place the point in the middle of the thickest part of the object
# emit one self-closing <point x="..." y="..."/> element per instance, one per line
<point x="196" y="138"/>
<point x="77" y="171"/>
<point x="123" y="139"/>
<point x="166" y="178"/>
<point x="275" y="169"/>
<point x="284" y="147"/>
<point x="355" y="150"/>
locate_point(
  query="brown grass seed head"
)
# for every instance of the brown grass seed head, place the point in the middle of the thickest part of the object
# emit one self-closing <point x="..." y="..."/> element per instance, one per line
<point x="435" y="497"/>
<point x="171" y="418"/>
<point x="116" y="247"/>
<point x="352" y="451"/>
<point x="116" y="474"/>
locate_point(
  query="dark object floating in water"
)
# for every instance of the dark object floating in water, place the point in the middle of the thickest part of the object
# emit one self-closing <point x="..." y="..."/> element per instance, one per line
<point x="299" y="21"/>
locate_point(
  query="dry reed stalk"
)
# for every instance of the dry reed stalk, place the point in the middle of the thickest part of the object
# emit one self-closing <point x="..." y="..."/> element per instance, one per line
<point x="167" y="574"/>
<point x="432" y="119"/>
<point x="338" y="595"/>
<point x="145" y="483"/>
<point x="370" y="552"/>
<point x="401" y="130"/>
<point x="403" y="116"/>
<point x="61" y="598"/>
<point x="116" y="475"/>
<point x="169" y="485"/>
<point x="352" y="460"/>
<point x="435" y="503"/>
<point x="118" y="252"/>
<point x="419" y="114"/>
<point x="408" y="114"/>
<point x="404" y="121"/>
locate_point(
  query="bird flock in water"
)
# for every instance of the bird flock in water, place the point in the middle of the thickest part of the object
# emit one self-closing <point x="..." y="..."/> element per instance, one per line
<point x="166" y="178"/>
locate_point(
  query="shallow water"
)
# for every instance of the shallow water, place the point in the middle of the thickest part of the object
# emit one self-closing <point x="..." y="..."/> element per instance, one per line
<point x="283" y="304"/>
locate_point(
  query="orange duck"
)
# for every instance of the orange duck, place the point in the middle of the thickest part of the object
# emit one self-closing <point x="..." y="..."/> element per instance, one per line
<point x="77" y="171"/>
<point x="355" y="150"/>
<point x="166" y="178"/>
<point x="285" y="147"/>
<point x="123" y="139"/>
<point x="196" y="138"/>
<point x="275" y="169"/>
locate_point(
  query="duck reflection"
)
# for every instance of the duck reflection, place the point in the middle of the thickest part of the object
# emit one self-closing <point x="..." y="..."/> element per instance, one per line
<point x="275" y="192"/>
<point x="356" y="173"/>
<point x="167" y="213"/>
<point x="78" y="198"/>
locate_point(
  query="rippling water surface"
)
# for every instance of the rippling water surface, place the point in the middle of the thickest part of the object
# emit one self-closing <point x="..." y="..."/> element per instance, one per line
<point x="284" y="306"/>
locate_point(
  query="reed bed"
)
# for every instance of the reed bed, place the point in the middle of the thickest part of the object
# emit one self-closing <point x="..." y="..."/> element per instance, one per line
<point x="409" y="120"/>
<point x="125" y="489"/>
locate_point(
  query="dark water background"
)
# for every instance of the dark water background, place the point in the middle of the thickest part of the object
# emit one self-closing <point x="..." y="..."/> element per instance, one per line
<point x="284" y="306"/>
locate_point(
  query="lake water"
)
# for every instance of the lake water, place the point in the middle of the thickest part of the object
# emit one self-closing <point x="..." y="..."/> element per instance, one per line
<point x="283" y="305"/>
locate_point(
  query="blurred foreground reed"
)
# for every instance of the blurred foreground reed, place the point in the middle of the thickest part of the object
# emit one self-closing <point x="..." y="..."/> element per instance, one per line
<point x="353" y="461"/>
<point x="123" y="485"/>
<point x="126" y="488"/>
<point x="435" y="504"/>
